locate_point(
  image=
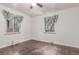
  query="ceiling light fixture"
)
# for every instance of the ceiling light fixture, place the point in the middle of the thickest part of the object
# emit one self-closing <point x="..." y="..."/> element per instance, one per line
<point x="36" y="4"/>
<point x="33" y="4"/>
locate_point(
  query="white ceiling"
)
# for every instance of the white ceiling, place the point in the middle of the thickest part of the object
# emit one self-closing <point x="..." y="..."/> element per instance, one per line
<point x="35" y="11"/>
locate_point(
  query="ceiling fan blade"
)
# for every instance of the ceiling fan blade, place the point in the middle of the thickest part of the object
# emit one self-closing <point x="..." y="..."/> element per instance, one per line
<point x="40" y="5"/>
<point x="31" y="7"/>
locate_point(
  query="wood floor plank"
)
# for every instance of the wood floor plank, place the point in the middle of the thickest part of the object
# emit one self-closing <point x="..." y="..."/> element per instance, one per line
<point x="33" y="47"/>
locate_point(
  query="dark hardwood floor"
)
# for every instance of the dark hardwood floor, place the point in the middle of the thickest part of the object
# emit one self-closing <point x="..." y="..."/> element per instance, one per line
<point x="33" y="47"/>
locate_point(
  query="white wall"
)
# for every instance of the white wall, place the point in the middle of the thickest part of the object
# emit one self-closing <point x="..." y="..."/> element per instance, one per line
<point x="66" y="28"/>
<point x="5" y="40"/>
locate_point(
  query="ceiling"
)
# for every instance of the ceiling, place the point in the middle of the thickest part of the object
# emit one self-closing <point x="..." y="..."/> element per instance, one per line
<point x="36" y="10"/>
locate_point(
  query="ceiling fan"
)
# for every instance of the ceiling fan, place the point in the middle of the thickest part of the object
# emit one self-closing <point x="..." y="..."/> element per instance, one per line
<point x="38" y="4"/>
